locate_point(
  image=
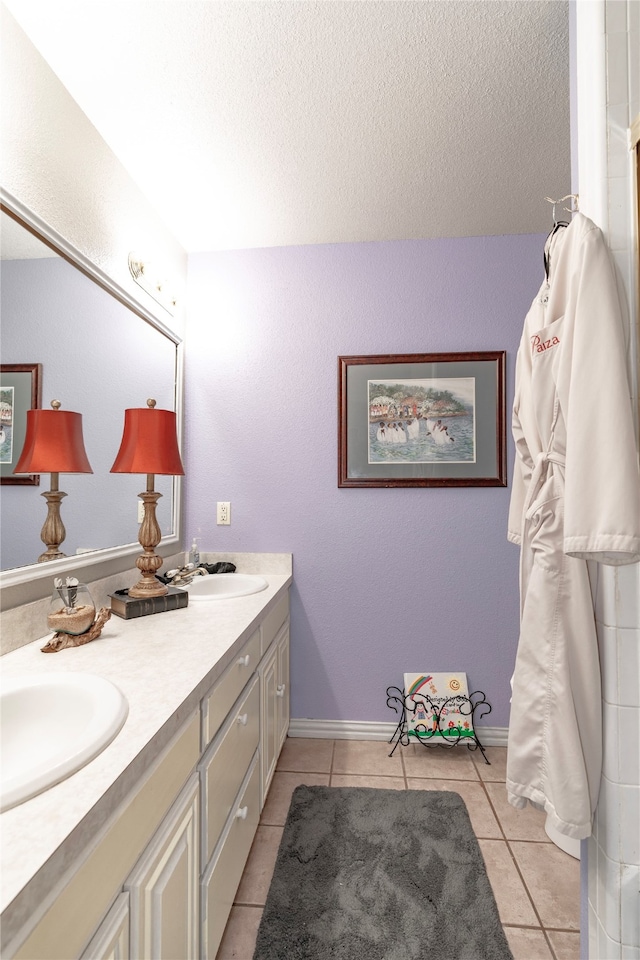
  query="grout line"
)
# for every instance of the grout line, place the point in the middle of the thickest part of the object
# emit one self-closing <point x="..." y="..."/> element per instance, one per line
<point x="333" y="753"/>
<point x="524" y="884"/>
<point x="404" y="770"/>
<point x="492" y="807"/>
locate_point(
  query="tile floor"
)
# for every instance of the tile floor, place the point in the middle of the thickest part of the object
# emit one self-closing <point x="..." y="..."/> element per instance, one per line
<point x="536" y="885"/>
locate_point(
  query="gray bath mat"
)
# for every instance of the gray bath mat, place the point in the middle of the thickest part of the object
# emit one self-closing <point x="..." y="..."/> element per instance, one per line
<point x="365" y="874"/>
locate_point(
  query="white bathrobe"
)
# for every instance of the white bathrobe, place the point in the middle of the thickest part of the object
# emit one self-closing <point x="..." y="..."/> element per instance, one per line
<point x="575" y="497"/>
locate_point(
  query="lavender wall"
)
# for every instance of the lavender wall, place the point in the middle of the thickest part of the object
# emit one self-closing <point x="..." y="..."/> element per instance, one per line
<point x="385" y="581"/>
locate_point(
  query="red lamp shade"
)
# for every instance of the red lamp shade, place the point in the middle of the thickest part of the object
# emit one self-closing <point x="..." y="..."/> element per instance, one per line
<point x="53" y="443"/>
<point x="149" y="442"/>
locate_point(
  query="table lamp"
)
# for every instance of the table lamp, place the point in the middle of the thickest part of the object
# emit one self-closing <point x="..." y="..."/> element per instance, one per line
<point x="53" y="444"/>
<point x="149" y="445"/>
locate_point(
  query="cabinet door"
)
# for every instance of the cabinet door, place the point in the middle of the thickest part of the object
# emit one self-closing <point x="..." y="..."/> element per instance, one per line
<point x="282" y="690"/>
<point x="164" y="886"/>
<point x="274" y="695"/>
<point x="111" y="941"/>
<point x="268" y="727"/>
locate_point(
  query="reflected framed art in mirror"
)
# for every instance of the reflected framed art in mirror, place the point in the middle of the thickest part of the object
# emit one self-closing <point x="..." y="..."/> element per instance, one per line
<point x="20" y="390"/>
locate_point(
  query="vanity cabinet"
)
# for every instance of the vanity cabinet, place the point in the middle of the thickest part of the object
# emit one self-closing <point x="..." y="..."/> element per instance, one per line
<point x="159" y="880"/>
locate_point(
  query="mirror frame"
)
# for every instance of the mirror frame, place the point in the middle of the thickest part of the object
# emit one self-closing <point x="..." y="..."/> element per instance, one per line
<point x="33" y="582"/>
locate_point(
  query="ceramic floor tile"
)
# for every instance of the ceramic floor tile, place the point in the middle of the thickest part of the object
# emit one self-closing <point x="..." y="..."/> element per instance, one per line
<point x="353" y="780"/>
<point x="366" y="757"/>
<point x="553" y="881"/>
<point x="481" y="815"/>
<point x="496" y="769"/>
<point x="510" y="893"/>
<point x="256" y="878"/>
<point x="282" y="786"/>
<point x="566" y="946"/>
<point x="528" y="944"/>
<point x="525" y="824"/>
<point x="442" y="763"/>
<point x="239" y="940"/>
<point x="300" y="754"/>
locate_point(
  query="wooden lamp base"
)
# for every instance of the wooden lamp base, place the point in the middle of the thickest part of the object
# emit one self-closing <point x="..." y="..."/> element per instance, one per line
<point x="53" y="531"/>
<point x="149" y="562"/>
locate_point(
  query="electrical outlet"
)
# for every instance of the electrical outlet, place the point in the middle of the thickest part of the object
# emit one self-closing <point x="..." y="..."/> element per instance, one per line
<point x="140" y="511"/>
<point x="223" y="513"/>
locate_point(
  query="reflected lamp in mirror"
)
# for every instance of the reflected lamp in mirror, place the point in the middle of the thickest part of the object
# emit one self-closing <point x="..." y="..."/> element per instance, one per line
<point x="149" y="445"/>
<point x="53" y="444"/>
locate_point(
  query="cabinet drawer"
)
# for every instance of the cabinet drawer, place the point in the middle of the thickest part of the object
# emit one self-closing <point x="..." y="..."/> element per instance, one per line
<point x="224" y="768"/>
<point x="220" y="699"/>
<point x="223" y="876"/>
<point x="273" y="621"/>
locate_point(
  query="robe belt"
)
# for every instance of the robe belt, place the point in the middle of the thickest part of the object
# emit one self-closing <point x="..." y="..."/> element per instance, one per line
<point x="537" y="477"/>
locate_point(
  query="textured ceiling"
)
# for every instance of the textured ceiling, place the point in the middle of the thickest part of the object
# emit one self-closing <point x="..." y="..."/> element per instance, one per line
<point x="269" y="123"/>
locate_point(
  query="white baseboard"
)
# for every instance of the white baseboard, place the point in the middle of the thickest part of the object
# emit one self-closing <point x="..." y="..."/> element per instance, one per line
<point x="368" y="730"/>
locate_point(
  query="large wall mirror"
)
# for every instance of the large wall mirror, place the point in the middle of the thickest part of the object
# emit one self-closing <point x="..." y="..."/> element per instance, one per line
<point x="100" y="352"/>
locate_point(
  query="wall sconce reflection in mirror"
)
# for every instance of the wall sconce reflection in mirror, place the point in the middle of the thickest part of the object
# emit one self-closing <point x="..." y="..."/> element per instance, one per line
<point x="149" y="445"/>
<point x="53" y="444"/>
<point x="146" y="276"/>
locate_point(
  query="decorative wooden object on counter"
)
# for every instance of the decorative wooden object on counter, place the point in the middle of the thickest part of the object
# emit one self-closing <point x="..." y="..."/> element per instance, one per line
<point x="61" y="640"/>
<point x="72" y="609"/>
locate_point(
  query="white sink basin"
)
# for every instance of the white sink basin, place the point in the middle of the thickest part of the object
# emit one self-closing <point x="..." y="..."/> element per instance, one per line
<point x="52" y="725"/>
<point x="224" y="586"/>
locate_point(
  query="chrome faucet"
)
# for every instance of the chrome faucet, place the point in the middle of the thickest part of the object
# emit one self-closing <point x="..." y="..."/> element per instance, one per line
<point x="185" y="574"/>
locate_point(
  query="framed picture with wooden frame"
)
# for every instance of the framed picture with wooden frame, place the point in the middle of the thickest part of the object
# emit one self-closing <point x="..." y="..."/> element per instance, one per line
<point x="422" y="420"/>
<point x="20" y="390"/>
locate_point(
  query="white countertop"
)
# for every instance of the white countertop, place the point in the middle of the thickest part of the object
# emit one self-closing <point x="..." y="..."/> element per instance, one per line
<point x="163" y="664"/>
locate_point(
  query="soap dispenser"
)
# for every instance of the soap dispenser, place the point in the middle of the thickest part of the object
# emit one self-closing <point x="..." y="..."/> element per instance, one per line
<point x="194" y="555"/>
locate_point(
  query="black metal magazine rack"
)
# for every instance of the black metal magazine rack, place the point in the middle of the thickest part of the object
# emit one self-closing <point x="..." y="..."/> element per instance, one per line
<point x="436" y="728"/>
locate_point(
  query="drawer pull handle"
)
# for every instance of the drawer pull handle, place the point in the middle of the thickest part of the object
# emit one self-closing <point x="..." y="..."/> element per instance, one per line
<point x="241" y="813"/>
<point x="243" y="661"/>
<point x="280" y="690"/>
<point x="242" y="719"/>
